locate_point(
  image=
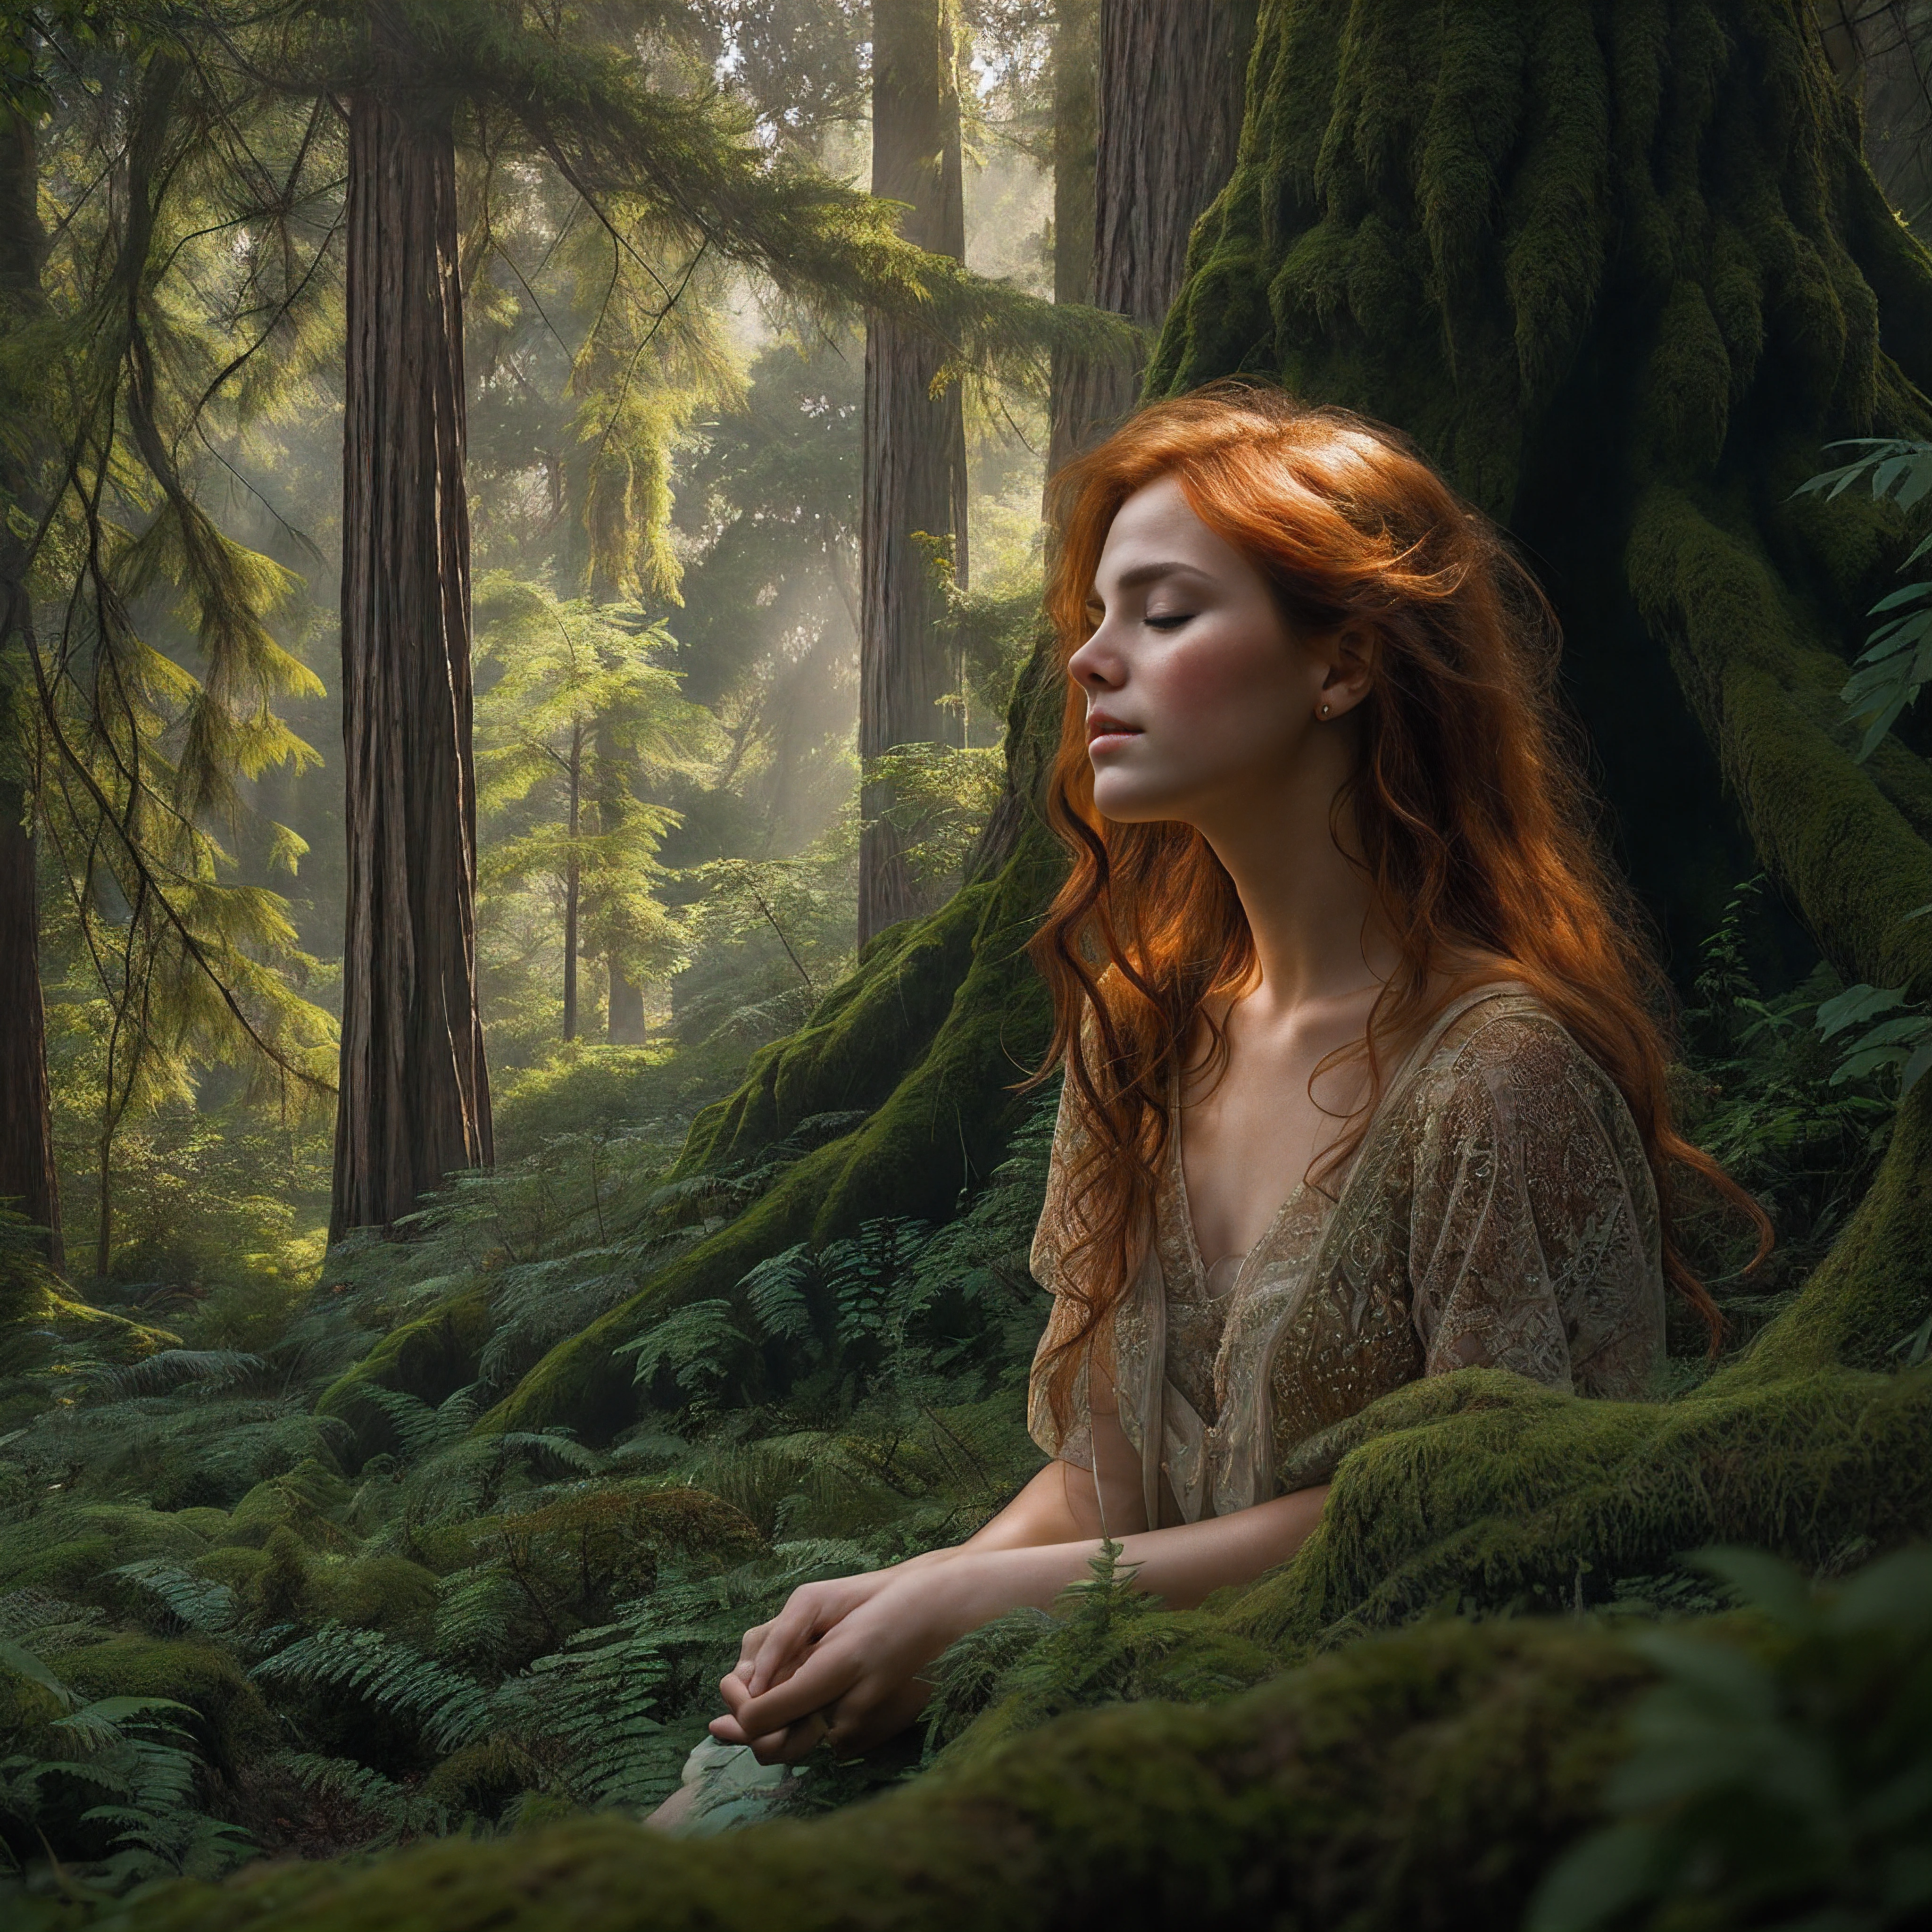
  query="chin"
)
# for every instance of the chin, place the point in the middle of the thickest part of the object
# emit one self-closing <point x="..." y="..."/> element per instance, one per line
<point x="1127" y="808"/>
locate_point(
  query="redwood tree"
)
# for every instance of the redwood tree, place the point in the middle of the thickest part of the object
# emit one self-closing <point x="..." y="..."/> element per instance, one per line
<point x="28" y="1178"/>
<point x="913" y="489"/>
<point x="415" y="1090"/>
<point x="1168" y="106"/>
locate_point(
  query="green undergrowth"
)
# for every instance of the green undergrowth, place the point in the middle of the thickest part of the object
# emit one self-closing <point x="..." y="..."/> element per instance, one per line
<point x="1764" y="1764"/>
<point x="382" y="1613"/>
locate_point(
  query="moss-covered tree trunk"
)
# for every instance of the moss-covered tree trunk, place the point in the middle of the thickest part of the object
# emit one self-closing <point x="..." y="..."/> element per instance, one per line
<point x="415" y="1090"/>
<point x="913" y="493"/>
<point x="28" y="1182"/>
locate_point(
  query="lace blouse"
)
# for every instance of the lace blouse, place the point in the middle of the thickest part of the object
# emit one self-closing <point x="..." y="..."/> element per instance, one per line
<point x="1500" y="1210"/>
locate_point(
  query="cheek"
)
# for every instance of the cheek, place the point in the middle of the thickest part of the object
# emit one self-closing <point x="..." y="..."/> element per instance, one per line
<point x="1224" y="680"/>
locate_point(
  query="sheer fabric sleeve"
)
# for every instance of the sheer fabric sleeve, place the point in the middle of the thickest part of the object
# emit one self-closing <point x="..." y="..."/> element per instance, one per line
<point x="1535" y="1236"/>
<point x="1052" y="1239"/>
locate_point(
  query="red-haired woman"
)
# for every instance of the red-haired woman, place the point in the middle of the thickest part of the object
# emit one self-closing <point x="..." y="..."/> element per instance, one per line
<point x="1365" y="1078"/>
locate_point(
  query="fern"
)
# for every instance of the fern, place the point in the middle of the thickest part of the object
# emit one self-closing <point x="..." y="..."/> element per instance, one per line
<point x="597" y="1699"/>
<point x="699" y="1343"/>
<point x="170" y="1369"/>
<point x="477" y="1615"/>
<point x="447" y="1709"/>
<point x="187" y="1601"/>
<point x="401" y="1812"/>
<point x="129" y="1754"/>
<point x="776" y="1290"/>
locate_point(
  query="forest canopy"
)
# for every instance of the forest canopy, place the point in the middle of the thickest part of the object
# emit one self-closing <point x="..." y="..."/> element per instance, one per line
<point x="524" y="701"/>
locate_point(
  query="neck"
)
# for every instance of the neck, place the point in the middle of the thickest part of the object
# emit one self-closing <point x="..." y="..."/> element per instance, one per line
<point x="1320" y="935"/>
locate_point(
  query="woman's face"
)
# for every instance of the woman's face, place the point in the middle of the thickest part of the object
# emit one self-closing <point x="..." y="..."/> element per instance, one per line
<point x="1199" y="697"/>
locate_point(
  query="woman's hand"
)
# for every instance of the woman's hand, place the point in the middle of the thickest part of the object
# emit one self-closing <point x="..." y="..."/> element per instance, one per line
<point x="853" y="1678"/>
<point x="769" y="1652"/>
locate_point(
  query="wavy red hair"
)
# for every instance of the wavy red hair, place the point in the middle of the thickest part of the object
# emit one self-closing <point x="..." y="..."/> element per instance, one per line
<point x="1470" y="807"/>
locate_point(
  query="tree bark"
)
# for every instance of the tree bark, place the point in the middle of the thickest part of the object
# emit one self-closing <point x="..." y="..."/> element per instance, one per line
<point x="28" y="1180"/>
<point x="415" y="1090"/>
<point x="624" y="999"/>
<point x="1168" y="106"/>
<point x="1076" y="27"/>
<point x="1147" y="105"/>
<point x="914" y="481"/>
<point x="572" y="885"/>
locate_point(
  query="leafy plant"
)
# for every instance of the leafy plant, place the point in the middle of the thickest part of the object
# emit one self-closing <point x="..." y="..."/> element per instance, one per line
<point x="112" y="1791"/>
<point x="1781" y="1776"/>
<point x="1897" y="661"/>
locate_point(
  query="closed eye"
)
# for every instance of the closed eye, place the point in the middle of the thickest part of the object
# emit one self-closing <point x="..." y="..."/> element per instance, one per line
<point x="1168" y="620"/>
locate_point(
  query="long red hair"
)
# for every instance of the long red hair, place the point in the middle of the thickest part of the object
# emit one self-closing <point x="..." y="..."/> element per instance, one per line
<point x="1470" y="805"/>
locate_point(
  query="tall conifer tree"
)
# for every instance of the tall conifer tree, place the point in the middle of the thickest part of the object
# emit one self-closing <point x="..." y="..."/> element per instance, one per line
<point x="914" y="486"/>
<point x="414" y="1088"/>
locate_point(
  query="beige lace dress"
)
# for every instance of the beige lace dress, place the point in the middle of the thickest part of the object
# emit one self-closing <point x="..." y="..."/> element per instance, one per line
<point x="1500" y="1210"/>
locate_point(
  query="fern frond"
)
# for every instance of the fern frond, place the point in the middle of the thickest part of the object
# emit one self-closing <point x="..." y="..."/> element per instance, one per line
<point x="190" y="1602"/>
<point x="399" y="1811"/>
<point x="446" y="1707"/>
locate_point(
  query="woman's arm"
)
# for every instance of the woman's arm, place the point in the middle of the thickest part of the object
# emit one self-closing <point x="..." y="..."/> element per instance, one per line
<point x="860" y="1673"/>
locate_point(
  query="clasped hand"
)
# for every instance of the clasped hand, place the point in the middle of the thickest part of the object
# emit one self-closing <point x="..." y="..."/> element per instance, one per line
<point x="840" y="1661"/>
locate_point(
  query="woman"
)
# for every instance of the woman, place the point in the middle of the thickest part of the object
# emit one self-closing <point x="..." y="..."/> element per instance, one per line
<point x="1335" y="913"/>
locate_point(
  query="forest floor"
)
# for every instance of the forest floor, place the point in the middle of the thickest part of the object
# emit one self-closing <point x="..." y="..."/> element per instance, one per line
<point x="267" y="1589"/>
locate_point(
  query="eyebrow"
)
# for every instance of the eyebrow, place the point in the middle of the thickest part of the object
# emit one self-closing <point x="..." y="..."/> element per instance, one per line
<point x="1149" y="573"/>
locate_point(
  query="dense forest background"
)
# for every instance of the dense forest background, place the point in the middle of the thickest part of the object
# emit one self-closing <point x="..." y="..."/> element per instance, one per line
<point x="523" y="696"/>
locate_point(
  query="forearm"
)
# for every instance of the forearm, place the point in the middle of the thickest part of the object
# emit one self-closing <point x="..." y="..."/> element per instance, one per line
<point x="1047" y="1510"/>
<point x="1182" y="1564"/>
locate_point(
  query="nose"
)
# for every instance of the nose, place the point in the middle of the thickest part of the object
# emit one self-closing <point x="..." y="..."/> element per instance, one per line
<point x="1096" y="666"/>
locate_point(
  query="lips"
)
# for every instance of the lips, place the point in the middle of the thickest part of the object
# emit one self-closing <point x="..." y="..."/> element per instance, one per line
<point x="1100" y="727"/>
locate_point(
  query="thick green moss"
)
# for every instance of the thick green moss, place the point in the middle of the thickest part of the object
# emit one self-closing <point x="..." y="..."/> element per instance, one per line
<point x="1481" y="1488"/>
<point x="389" y="1594"/>
<point x="1423" y="1778"/>
<point x="304" y="1502"/>
<point x="65" y="1548"/>
<point x="430" y="1358"/>
<point x="230" y="1721"/>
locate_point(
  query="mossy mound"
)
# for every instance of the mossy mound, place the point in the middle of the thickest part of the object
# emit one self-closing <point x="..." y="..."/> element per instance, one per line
<point x="305" y="1502"/>
<point x="65" y="1549"/>
<point x="1422" y="1778"/>
<point x="429" y="1358"/>
<point x="1480" y="1489"/>
<point x="230" y="1722"/>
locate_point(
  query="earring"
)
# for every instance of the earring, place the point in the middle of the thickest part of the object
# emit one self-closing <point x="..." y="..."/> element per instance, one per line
<point x="1325" y="711"/>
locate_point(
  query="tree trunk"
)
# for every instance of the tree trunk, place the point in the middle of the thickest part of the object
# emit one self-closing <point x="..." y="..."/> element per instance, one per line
<point x="624" y="999"/>
<point x="1171" y="77"/>
<point x="1076" y="25"/>
<point x="1145" y="126"/>
<point x="415" y="1091"/>
<point x="625" y="1018"/>
<point x="913" y="488"/>
<point x="572" y="883"/>
<point x="28" y="1181"/>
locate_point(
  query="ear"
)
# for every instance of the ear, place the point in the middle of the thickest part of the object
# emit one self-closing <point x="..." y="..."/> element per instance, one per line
<point x="1351" y="654"/>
